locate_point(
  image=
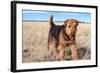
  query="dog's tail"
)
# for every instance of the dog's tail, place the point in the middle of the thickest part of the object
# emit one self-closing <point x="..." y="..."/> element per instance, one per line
<point x="51" y="21"/>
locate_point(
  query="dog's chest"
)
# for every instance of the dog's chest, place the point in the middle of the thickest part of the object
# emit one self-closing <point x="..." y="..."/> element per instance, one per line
<point x="68" y="40"/>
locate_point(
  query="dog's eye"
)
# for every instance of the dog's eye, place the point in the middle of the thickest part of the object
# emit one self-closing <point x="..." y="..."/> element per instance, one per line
<point x="68" y="26"/>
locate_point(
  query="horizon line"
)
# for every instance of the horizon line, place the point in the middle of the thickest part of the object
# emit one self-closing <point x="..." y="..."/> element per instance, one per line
<point x="48" y="21"/>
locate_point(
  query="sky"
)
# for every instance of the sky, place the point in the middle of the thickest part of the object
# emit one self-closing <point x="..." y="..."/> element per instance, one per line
<point x="30" y="15"/>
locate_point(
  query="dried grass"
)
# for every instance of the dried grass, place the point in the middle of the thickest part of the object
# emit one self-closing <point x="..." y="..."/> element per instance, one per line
<point x="35" y="37"/>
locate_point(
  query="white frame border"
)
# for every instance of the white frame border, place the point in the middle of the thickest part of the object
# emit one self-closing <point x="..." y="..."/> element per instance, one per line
<point x="21" y="65"/>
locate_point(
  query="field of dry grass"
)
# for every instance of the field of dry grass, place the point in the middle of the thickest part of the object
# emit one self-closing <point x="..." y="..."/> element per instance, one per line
<point x="35" y="37"/>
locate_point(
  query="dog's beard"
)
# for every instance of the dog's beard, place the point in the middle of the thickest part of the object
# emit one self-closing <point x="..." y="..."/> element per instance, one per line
<point x="69" y="37"/>
<point x="72" y="37"/>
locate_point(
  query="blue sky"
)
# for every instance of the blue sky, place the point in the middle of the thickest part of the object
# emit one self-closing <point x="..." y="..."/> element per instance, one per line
<point x="58" y="16"/>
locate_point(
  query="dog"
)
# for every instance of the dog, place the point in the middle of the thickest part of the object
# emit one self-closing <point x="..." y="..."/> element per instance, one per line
<point x="62" y="36"/>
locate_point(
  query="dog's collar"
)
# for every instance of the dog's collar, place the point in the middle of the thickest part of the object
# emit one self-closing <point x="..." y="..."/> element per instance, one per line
<point x="65" y="35"/>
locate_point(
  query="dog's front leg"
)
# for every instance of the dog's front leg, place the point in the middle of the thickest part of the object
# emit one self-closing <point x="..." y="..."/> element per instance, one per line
<point x="74" y="52"/>
<point x="62" y="52"/>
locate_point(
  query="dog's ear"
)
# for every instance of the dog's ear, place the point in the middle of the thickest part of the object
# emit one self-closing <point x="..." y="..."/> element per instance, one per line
<point x="65" y="23"/>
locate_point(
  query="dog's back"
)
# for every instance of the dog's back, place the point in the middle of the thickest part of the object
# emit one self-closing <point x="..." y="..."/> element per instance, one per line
<point x="54" y="30"/>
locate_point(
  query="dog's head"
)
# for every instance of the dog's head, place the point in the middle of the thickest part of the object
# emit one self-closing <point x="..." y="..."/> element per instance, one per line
<point x="70" y="27"/>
